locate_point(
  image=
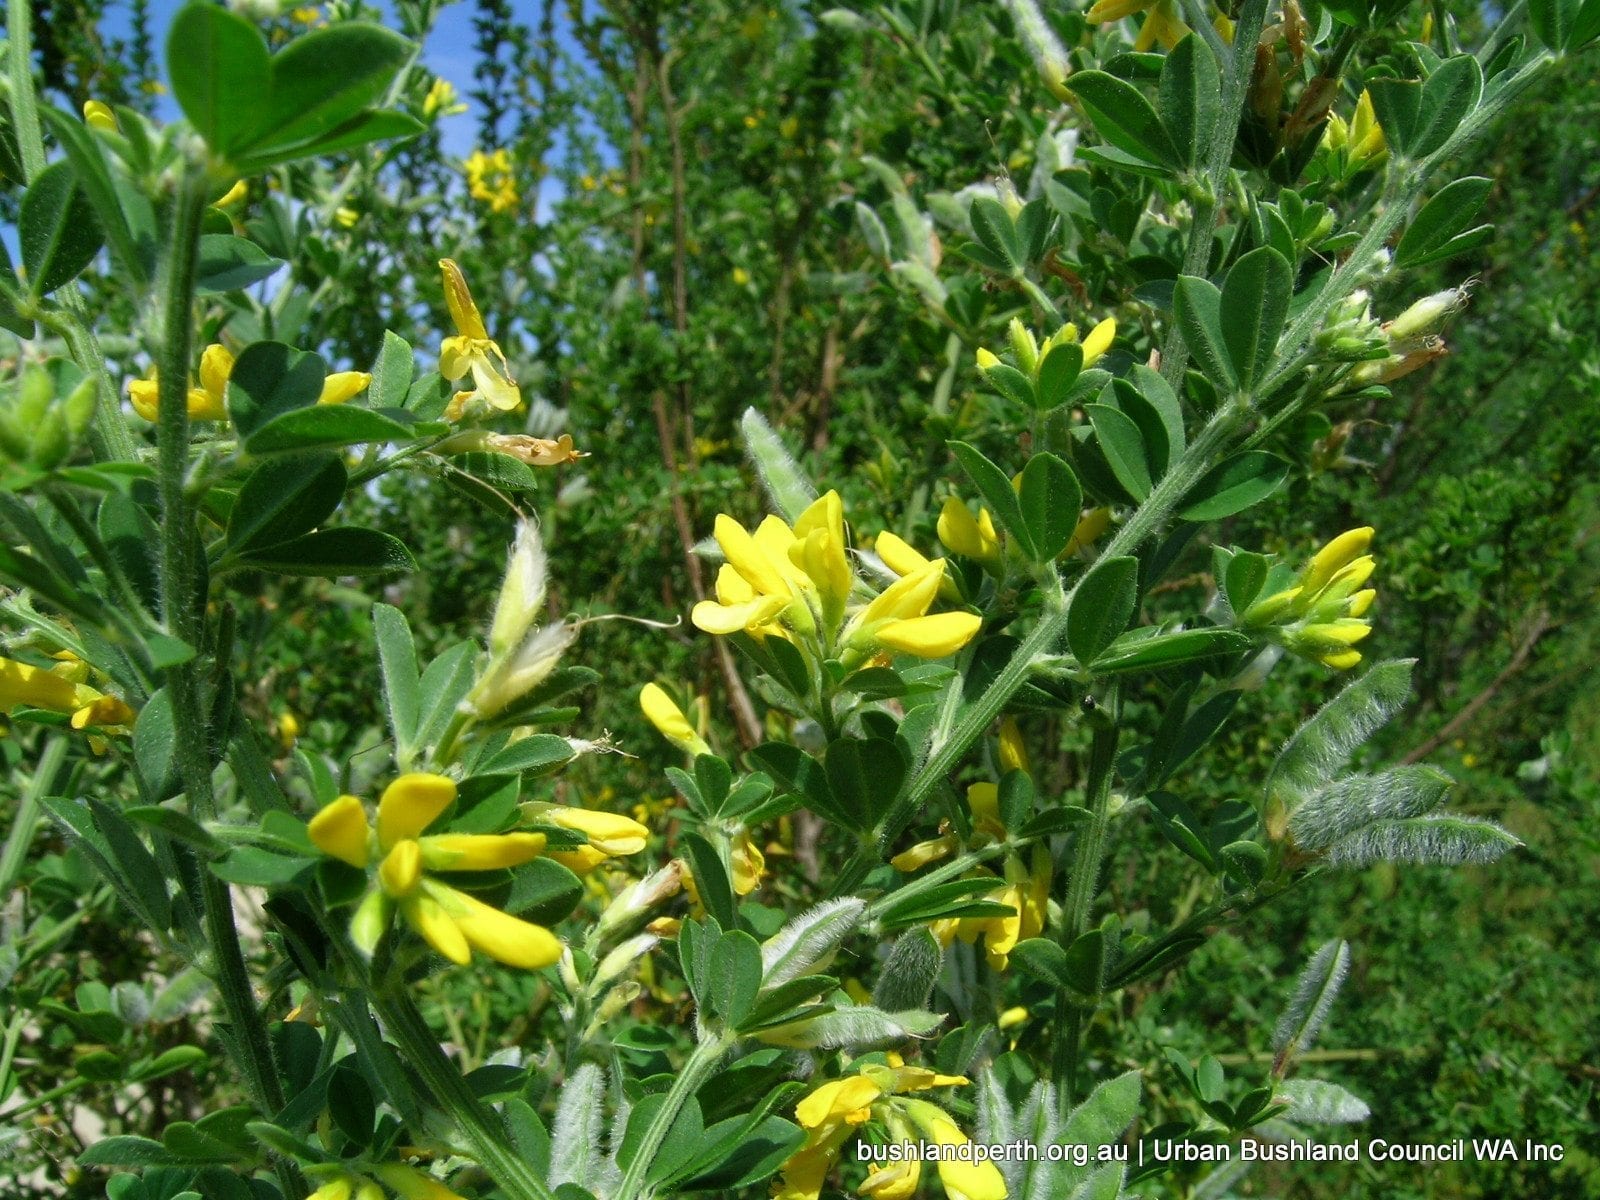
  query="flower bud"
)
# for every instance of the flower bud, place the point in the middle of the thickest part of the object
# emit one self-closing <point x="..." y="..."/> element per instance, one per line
<point x="637" y="899"/>
<point x="615" y="964"/>
<point x="521" y="593"/>
<point x="1426" y="314"/>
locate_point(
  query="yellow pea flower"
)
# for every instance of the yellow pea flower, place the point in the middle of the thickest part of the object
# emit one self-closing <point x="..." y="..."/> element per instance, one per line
<point x="923" y="853"/>
<point x="749" y="865"/>
<point x="962" y="1180"/>
<point x="343" y="386"/>
<point x="25" y="686"/>
<point x="490" y="179"/>
<point x="1323" y="614"/>
<point x="610" y="835"/>
<point x="99" y="117"/>
<point x="450" y="921"/>
<point x="441" y="100"/>
<point x="234" y="195"/>
<point x="472" y="351"/>
<point x="1013" y="750"/>
<point x="207" y="402"/>
<point x="966" y="535"/>
<point x="669" y="720"/>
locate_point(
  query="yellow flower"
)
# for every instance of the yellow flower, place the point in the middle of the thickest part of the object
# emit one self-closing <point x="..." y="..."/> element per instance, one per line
<point x="798" y="583"/>
<point x="472" y="351"/>
<point x="441" y="100"/>
<point x="1161" y="22"/>
<point x="490" y="179"/>
<point x="1322" y="615"/>
<point x="609" y="835"/>
<point x="1026" y="891"/>
<point x="26" y="686"/>
<point x="962" y="1180"/>
<point x="669" y="720"/>
<point x="923" y="853"/>
<point x="966" y="535"/>
<point x="98" y="116"/>
<point x="1360" y="139"/>
<point x="1013" y="750"/>
<point x="833" y="1112"/>
<point x="342" y="386"/>
<point x="234" y="195"/>
<point x="741" y="277"/>
<point x="346" y="217"/>
<point x="749" y="865"/>
<point x="207" y="402"/>
<point x="450" y="921"/>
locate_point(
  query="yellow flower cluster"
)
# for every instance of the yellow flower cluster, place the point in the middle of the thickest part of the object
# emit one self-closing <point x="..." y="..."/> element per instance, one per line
<point x="62" y="688"/>
<point x="833" y="1113"/>
<point x="472" y="351"/>
<point x="1360" y="139"/>
<point x="406" y="1182"/>
<point x="450" y="921"/>
<point x="490" y="179"/>
<point x="797" y="583"/>
<point x="1322" y="616"/>
<point x="441" y="101"/>
<point x="1030" y="353"/>
<point x="208" y="398"/>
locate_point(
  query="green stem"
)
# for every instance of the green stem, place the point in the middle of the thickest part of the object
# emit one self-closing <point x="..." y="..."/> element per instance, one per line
<point x="488" y="1141"/>
<point x="701" y="1062"/>
<point x="1207" y="204"/>
<point x="964" y="727"/>
<point x="1090" y="849"/>
<point x="24" y="102"/>
<point x="953" y="869"/>
<point x="182" y="617"/>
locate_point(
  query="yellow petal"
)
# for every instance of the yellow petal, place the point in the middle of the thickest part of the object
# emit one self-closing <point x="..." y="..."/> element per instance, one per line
<point x="497" y="388"/>
<point x="669" y="720"/>
<point x="610" y="833"/>
<point x="216" y="366"/>
<point x="145" y="395"/>
<point x="983" y="801"/>
<point x="505" y="938"/>
<point x="732" y="587"/>
<point x="1358" y="604"/>
<point x="898" y="555"/>
<point x="908" y="596"/>
<point x="931" y="637"/>
<point x="1338" y="553"/>
<point x="340" y="830"/>
<point x="1343" y="660"/>
<point x="410" y="804"/>
<point x="480" y="851"/>
<point x="35" y="687"/>
<point x="429" y="918"/>
<point x="97" y="115"/>
<point x="749" y="865"/>
<point x="206" y="406"/>
<point x="458" y="300"/>
<point x="579" y="861"/>
<point x="411" y="1184"/>
<point x="342" y="386"/>
<point x="455" y="357"/>
<point x="962" y="1180"/>
<point x="748" y="559"/>
<point x="711" y="617"/>
<point x="836" y="1098"/>
<point x="923" y="853"/>
<point x="897" y="1181"/>
<point x="401" y="869"/>
<point x="1099" y="340"/>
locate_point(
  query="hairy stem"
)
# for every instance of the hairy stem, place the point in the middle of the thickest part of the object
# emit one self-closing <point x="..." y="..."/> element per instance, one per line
<point x="701" y="1062"/>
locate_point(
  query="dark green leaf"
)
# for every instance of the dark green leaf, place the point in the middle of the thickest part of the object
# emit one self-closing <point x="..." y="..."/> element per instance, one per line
<point x="996" y="491"/>
<point x="1438" y="230"/>
<point x="229" y="263"/>
<point x="285" y="498"/>
<point x="1102" y="605"/>
<point x="321" y="81"/>
<point x="1124" y="448"/>
<point x="270" y="379"/>
<point x="57" y="229"/>
<point x="330" y="553"/>
<point x="1124" y="117"/>
<point x="324" y="425"/>
<point x="1168" y="650"/>
<point x="1255" y="304"/>
<point x="89" y="165"/>
<point x="220" y="72"/>
<point x="1191" y="98"/>
<point x="1234" y="485"/>
<point x="1051" y="500"/>
<point x="1198" y="306"/>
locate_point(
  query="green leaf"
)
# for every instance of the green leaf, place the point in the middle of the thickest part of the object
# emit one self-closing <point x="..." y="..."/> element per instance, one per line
<point x="1132" y="652"/>
<point x="1051" y="500"/>
<point x="1124" y="448"/>
<point x="321" y="81"/>
<point x="251" y="866"/>
<point x="1191" y="98"/>
<point x="285" y="498"/>
<point x="1044" y="959"/>
<point x="89" y="166"/>
<point x="543" y="892"/>
<point x="1552" y="21"/>
<point x="734" y="978"/>
<point x="392" y="372"/>
<point x="1058" y="371"/>
<point x="57" y="230"/>
<point x="397" y="661"/>
<point x="324" y="425"/>
<point x="711" y="881"/>
<point x="358" y="131"/>
<point x="229" y="263"/>
<point x="1440" y="229"/>
<point x="864" y="777"/>
<point x="997" y="232"/>
<point x="270" y="379"/>
<point x="996" y="491"/>
<point x="1255" y="304"/>
<point x="445" y="683"/>
<point x="1449" y="96"/>
<point x="1233" y="485"/>
<point x="129" y="1151"/>
<point x="1124" y="117"/>
<point x="220" y="72"/>
<point x="155" y="740"/>
<point x="1198" y="307"/>
<point x="330" y="553"/>
<point x="1397" y="103"/>
<point x="1244" y="578"/>
<point x="1012" y="384"/>
<point x="1102" y="605"/>
<point x="131" y="538"/>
